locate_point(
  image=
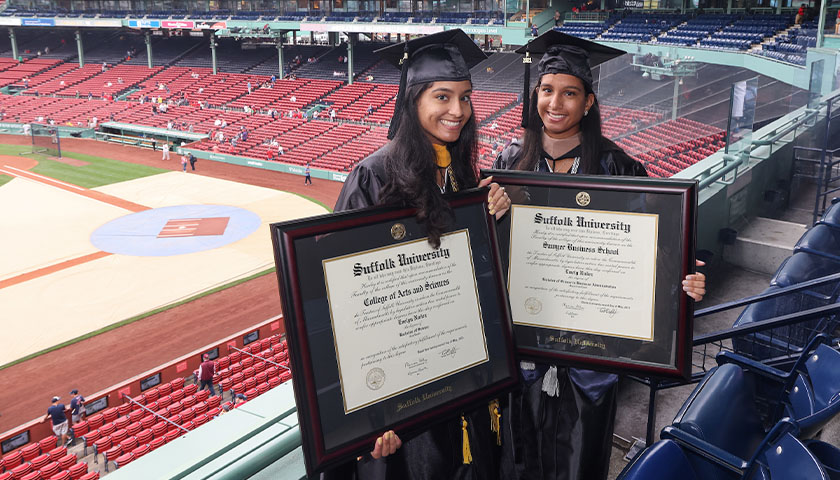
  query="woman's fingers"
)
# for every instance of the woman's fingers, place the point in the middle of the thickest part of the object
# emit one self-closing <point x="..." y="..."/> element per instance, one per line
<point x="386" y="445"/>
<point x="695" y="286"/>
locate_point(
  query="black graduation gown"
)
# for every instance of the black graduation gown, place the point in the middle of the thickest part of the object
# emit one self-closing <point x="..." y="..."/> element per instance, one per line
<point x="568" y="436"/>
<point x="436" y="453"/>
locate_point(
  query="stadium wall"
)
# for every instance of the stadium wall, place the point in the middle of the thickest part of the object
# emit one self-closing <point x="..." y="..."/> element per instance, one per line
<point x="183" y="366"/>
<point x="277" y="166"/>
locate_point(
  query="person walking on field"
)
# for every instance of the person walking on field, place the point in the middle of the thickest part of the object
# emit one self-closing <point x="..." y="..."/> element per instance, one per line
<point x="192" y="160"/>
<point x="165" y="151"/>
<point x="308" y="179"/>
<point x="184" y="163"/>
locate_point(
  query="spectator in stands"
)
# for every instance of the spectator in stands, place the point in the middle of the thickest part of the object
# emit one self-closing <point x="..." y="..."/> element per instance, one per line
<point x="244" y="134"/>
<point x="224" y="123"/>
<point x="104" y="66"/>
<point x="293" y="99"/>
<point x="534" y="31"/>
<point x="563" y="135"/>
<point x="218" y="122"/>
<point x="800" y="14"/>
<point x="249" y="86"/>
<point x="557" y="20"/>
<point x="90" y="95"/>
<point x="207" y="368"/>
<point x="77" y="406"/>
<point x="433" y="137"/>
<point x="165" y="150"/>
<point x="25" y="82"/>
<point x="273" y="78"/>
<point x="169" y="125"/>
<point x="332" y="115"/>
<point x="308" y="179"/>
<point x="369" y="78"/>
<point x="280" y="150"/>
<point x="370" y="109"/>
<point x="59" y="420"/>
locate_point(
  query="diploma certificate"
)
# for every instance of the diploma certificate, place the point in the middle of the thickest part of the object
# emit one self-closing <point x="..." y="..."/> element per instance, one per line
<point x="386" y="331"/>
<point x="583" y="270"/>
<point x="595" y="267"/>
<point x="403" y="316"/>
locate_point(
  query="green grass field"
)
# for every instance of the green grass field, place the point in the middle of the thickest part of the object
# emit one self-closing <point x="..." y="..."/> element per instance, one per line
<point x="4" y="179"/>
<point x="99" y="171"/>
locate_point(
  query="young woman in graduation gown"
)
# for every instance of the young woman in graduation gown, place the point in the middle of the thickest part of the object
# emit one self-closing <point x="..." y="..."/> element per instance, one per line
<point x="432" y="152"/>
<point x="559" y="424"/>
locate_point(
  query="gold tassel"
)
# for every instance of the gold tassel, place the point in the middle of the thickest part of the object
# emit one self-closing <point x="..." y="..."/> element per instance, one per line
<point x="495" y="420"/>
<point x="466" y="442"/>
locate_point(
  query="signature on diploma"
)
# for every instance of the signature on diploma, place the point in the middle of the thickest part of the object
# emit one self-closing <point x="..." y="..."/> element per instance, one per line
<point x="609" y="311"/>
<point x="448" y="352"/>
<point x="416" y="367"/>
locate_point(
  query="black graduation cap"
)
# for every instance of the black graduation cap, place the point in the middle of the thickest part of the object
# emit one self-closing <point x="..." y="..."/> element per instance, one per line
<point x="563" y="53"/>
<point x="442" y="57"/>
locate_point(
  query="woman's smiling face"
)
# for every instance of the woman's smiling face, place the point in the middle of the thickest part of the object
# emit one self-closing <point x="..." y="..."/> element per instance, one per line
<point x="561" y="103"/>
<point x="443" y="110"/>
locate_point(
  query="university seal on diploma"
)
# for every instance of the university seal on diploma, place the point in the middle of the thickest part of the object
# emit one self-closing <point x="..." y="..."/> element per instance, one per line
<point x="375" y="378"/>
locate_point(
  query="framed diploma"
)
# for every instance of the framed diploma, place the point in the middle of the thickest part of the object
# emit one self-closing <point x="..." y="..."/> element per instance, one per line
<point x="594" y="269"/>
<point x="386" y="331"/>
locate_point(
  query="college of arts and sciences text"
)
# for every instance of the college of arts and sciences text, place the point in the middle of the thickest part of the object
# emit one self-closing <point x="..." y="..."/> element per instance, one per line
<point x="404" y="316"/>
<point x="583" y="271"/>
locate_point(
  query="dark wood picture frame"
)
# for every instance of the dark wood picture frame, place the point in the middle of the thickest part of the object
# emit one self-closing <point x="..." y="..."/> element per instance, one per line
<point x="330" y="435"/>
<point x="674" y="202"/>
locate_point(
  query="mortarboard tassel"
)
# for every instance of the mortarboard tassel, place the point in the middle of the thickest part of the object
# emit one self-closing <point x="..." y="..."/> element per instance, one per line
<point x="466" y="441"/>
<point x="495" y="420"/>
<point x="526" y="92"/>
<point x="395" y="120"/>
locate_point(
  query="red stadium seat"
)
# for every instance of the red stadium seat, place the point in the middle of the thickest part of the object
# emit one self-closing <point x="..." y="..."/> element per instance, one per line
<point x="157" y="442"/>
<point x="100" y="446"/>
<point x="119" y="436"/>
<point x="234" y="357"/>
<point x="222" y="363"/>
<point x="134" y="428"/>
<point x="107" y="429"/>
<point x="262" y="388"/>
<point x="213" y="412"/>
<point x="274" y="382"/>
<point x="81" y="428"/>
<point x="111" y="454"/>
<point x="188" y="402"/>
<point x="90" y="438"/>
<point x="187" y="415"/>
<point x="202" y="395"/>
<point x="200" y="408"/>
<point x="172" y="435"/>
<point x="189" y="425"/>
<point x="251" y="393"/>
<point x="159" y="429"/>
<point x="164" y="389"/>
<point x="200" y="420"/>
<point x="48" y="443"/>
<point x="141" y="450"/>
<point x="190" y="389"/>
<point x="177" y="395"/>
<point x="165" y="401"/>
<point x="21" y="470"/>
<point x="247" y="362"/>
<point x="6" y="476"/>
<point x="148" y="421"/>
<point x="152" y="395"/>
<point x="144" y="436"/>
<point x="123" y="460"/>
<point x="225" y="385"/>
<point x="124" y="409"/>
<point x="57" y="453"/>
<point x="110" y="414"/>
<point x="121" y="422"/>
<point x="78" y="470"/>
<point x="90" y="476"/>
<point x="129" y="444"/>
<point x="30" y="451"/>
<point x="136" y="415"/>
<point x="50" y="469"/>
<point x="177" y="383"/>
<point x="67" y="461"/>
<point x="40" y="461"/>
<point x="61" y="475"/>
<point x="36" y="475"/>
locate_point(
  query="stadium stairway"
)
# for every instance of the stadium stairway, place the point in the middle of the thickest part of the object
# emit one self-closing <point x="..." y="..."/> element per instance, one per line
<point x="763" y="243"/>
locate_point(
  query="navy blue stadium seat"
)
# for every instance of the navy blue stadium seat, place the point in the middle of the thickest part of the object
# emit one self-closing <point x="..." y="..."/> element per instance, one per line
<point x="820" y="240"/>
<point x="721" y="412"/>
<point x="807" y="393"/>
<point x="664" y="460"/>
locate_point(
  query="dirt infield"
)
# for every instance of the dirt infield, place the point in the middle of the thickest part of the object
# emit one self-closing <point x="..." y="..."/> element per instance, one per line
<point x="142" y="345"/>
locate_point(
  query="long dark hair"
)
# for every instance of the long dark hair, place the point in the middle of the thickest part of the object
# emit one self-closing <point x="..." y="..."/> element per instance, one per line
<point x="590" y="142"/>
<point x="411" y="167"/>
